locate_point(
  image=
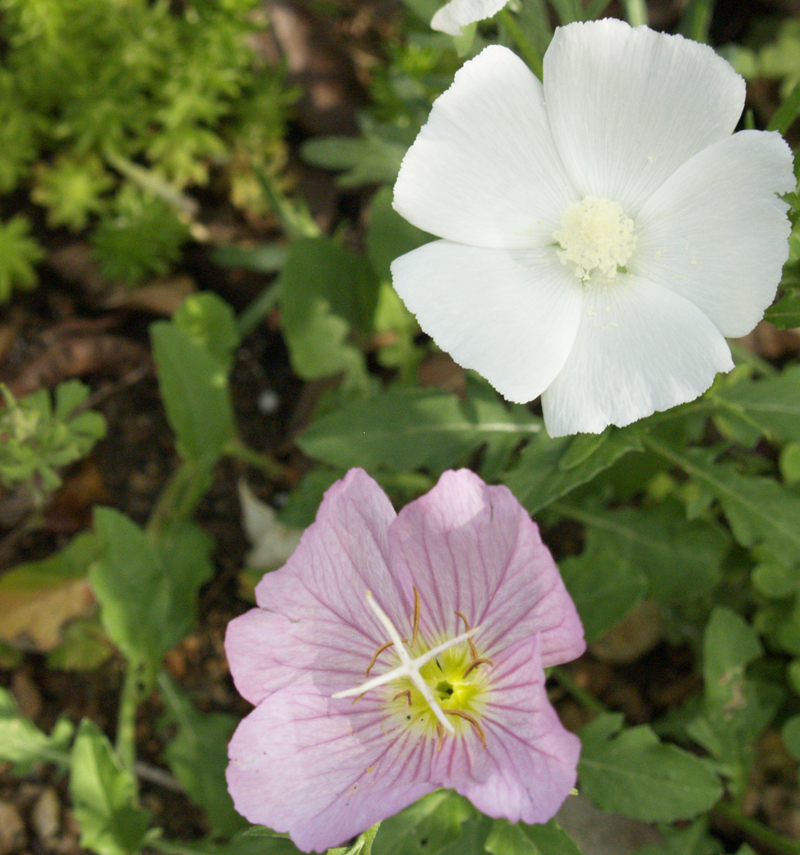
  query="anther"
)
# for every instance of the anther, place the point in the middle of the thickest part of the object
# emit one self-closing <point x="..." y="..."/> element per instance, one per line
<point x="472" y="651"/>
<point x="415" y="631"/>
<point x="377" y="653"/>
<point x="475" y="664"/>
<point x="472" y="720"/>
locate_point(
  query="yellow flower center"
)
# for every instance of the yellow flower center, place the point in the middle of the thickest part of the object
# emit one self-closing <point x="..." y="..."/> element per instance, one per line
<point x="596" y="237"/>
<point x="434" y="689"/>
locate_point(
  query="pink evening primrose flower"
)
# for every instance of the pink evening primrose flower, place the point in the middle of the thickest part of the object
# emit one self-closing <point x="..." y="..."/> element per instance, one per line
<point x="601" y="233"/>
<point x="397" y="653"/>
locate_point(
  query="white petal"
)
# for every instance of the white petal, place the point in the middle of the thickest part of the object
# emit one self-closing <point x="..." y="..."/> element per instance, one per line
<point x="484" y="169"/>
<point x="458" y="13"/>
<point x="640" y="348"/>
<point x="512" y="315"/>
<point x="629" y="106"/>
<point x="716" y="233"/>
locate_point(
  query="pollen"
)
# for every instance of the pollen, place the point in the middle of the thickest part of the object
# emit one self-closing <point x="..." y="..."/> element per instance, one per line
<point x="596" y="237"/>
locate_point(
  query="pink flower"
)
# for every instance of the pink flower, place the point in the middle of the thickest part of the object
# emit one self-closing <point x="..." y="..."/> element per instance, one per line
<point x="367" y="599"/>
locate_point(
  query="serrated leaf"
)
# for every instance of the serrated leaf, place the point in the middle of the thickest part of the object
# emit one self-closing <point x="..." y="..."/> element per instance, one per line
<point x="521" y="839"/>
<point x="785" y="314"/>
<point x="194" y="388"/>
<point x="637" y="775"/>
<point x="407" y="428"/>
<point x="148" y="591"/>
<point x="427" y="826"/>
<point x="24" y="745"/>
<point x="326" y="291"/>
<point x="773" y="403"/>
<point x="550" y="468"/>
<point x="389" y="235"/>
<point x="19" y="253"/>
<point x="104" y="796"/>
<point x="366" y="160"/>
<point x="681" y="560"/>
<point x="758" y="509"/>
<point x="210" y="323"/>
<point x="603" y="585"/>
<point x="198" y="756"/>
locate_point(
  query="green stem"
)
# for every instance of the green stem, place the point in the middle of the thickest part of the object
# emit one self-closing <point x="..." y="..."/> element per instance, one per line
<point x="528" y="51"/>
<point x="126" y="717"/>
<point x="635" y="12"/>
<point x="180" y="495"/>
<point x="696" y="19"/>
<point x="153" y="183"/>
<point x="255" y="313"/>
<point x="754" y="829"/>
<point x="584" y="698"/>
<point x="260" y="460"/>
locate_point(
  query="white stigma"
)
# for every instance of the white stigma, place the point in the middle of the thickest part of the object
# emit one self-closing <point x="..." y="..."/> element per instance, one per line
<point x="595" y="235"/>
<point x="409" y="667"/>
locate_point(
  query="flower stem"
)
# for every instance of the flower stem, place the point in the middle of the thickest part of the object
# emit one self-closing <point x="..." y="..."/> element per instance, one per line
<point x="528" y="51"/>
<point x="754" y="829"/>
<point x="126" y="717"/>
<point x="635" y="12"/>
<point x="265" y="462"/>
<point x="584" y="698"/>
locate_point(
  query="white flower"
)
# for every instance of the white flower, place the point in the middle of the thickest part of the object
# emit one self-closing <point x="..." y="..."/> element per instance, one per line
<point x="458" y="13"/>
<point x="603" y="232"/>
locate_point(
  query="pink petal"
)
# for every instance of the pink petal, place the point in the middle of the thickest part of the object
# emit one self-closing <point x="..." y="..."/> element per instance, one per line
<point x="530" y="761"/>
<point x="299" y="766"/>
<point x="474" y="549"/>
<point x="314" y="625"/>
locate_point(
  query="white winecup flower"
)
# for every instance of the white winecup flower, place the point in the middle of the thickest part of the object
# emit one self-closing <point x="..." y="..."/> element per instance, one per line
<point x="602" y="232"/>
<point x="458" y="13"/>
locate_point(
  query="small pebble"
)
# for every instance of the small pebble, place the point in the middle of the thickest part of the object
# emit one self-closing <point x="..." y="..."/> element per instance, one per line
<point x="268" y="402"/>
<point x="12" y="829"/>
<point x="46" y="815"/>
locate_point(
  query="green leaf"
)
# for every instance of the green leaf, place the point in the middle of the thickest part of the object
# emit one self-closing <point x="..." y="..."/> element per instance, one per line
<point x="104" y="796"/>
<point x="19" y="253"/>
<point x="729" y="645"/>
<point x="758" y="509"/>
<point x="326" y="291"/>
<point x="521" y="839"/>
<point x="198" y="756"/>
<point x="550" y="468"/>
<point x="603" y="584"/>
<point x="680" y="560"/>
<point x="24" y="745"/>
<point x="389" y="235"/>
<point x="428" y="826"/>
<point x="791" y="736"/>
<point x="773" y="403"/>
<point x="141" y="238"/>
<point x="785" y="314"/>
<point x="256" y="840"/>
<point x="148" y="591"/>
<point x="694" y="839"/>
<point x="636" y="775"/>
<point x="211" y="324"/>
<point x="38" y="437"/>
<point x="194" y="387"/>
<point x="370" y="159"/>
<point x="407" y="428"/>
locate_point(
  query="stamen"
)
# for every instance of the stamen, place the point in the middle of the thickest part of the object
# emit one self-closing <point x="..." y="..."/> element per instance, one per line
<point x="406" y="694"/>
<point x="440" y="734"/>
<point x="415" y="632"/>
<point x="475" y="664"/>
<point x="377" y="653"/>
<point x="472" y="651"/>
<point x="472" y="720"/>
<point x="409" y="667"/>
